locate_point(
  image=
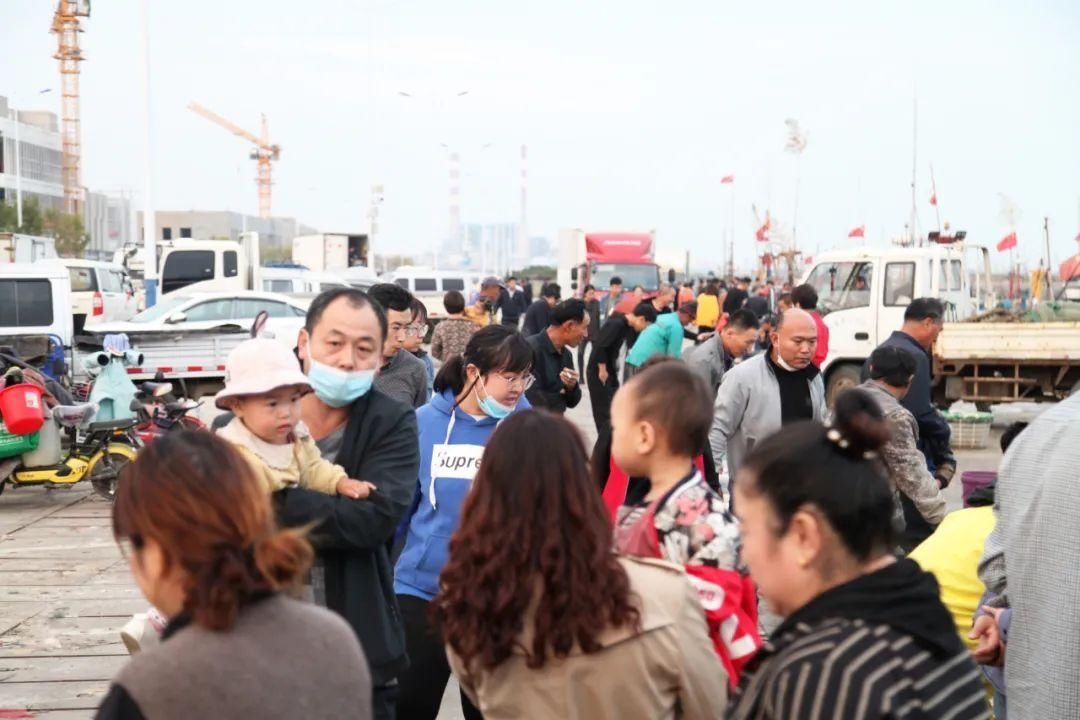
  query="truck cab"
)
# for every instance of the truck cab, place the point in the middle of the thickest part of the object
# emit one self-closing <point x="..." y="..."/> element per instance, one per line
<point x="863" y="292"/>
<point x="594" y="258"/>
<point x="210" y="265"/>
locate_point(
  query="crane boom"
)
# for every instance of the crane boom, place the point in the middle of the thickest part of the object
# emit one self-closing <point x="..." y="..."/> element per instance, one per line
<point x="227" y="124"/>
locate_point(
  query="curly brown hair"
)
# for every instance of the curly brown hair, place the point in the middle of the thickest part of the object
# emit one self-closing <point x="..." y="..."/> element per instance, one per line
<point x="533" y="523"/>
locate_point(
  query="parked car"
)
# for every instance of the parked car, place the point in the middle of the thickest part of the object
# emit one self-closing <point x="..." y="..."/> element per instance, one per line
<point x="298" y="280"/>
<point x="35" y="317"/>
<point x="100" y="292"/>
<point x="209" y="310"/>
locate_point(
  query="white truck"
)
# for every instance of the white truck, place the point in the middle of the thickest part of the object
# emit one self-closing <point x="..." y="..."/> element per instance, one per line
<point x="16" y="247"/>
<point x="199" y="265"/>
<point x="330" y="251"/>
<point x="862" y="295"/>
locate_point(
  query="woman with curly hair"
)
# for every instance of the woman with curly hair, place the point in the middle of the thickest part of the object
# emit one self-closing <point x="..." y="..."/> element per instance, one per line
<point x="541" y="619"/>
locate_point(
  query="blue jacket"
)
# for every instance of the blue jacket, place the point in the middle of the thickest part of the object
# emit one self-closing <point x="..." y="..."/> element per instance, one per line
<point x="430" y="526"/>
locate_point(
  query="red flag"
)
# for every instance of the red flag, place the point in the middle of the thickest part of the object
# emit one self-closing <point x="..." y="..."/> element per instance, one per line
<point x="858" y="232"/>
<point x="809" y="259"/>
<point x="762" y="233"/>
<point x="933" y="199"/>
<point x="1009" y="241"/>
<point x="1077" y="237"/>
<point x="727" y="179"/>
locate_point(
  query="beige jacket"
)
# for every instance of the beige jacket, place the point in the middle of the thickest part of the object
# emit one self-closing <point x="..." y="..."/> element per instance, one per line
<point x="280" y="466"/>
<point x="668" y="670"/>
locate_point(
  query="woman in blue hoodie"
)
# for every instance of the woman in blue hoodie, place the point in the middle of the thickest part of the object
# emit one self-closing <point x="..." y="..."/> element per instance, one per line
<point x="473" y="392"/>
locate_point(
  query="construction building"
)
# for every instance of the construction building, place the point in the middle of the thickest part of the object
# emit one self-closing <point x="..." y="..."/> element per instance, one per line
<point x="40" y="156"/>
<point x="274" y="232"/>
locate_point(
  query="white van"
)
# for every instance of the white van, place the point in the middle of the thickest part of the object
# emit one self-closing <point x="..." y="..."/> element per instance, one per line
<point x="291" y="281"/>
<point x="100" y="292"/>
<point x="35" y="299"/>
<point x="429" y="286"/>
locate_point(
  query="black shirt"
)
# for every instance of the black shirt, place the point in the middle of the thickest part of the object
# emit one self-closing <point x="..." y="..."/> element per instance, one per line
<point x="759" y="305"/>
<point x="734" y="300"/>
<point x="548" y="391"/>
<point x="510" y="305"/>
<point x="795" y="401"/>
<point x="536" y="318"/>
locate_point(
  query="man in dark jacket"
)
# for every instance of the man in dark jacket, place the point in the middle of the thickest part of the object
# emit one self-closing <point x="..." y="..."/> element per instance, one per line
<point x="557" y="384"/>
<point x="536" y="317"/>
<point x="592" y="306"/>
<point x="507" y="300"/>
<point x="602" y="372"/>
<point x="923" y="321"/>
<point x="375" y="439"/>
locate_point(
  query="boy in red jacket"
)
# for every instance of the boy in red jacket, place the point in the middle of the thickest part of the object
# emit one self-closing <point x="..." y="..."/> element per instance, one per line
<point x="660" y="421"/>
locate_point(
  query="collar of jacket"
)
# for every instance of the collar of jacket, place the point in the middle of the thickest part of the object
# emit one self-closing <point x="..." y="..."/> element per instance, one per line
<point x="809" y="372"/>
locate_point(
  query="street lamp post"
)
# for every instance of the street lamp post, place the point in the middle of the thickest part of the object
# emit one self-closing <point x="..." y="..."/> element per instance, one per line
<point x="18" y="162"/>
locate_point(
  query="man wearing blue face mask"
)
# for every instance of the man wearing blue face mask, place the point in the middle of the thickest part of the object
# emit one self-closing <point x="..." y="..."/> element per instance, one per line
<point x="373" y="437"/>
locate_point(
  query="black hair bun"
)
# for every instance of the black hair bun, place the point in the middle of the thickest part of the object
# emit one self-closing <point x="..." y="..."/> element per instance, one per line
<point x="859" y="422"/>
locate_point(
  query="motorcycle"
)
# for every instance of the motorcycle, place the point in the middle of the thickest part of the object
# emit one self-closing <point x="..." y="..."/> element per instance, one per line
<point x="98" y="451"/>
<point x="159" y="412"/>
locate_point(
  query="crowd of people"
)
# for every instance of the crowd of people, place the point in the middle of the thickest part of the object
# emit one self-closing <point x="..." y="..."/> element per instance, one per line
<point x="368" y="520"/>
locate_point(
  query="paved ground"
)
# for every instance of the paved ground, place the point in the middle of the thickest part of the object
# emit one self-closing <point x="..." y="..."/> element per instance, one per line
<point x="65" y="592"/>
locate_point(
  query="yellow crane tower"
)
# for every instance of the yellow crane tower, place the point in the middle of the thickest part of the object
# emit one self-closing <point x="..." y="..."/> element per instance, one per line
<point x="263" y="153"/>
<point x="65" y="25"/>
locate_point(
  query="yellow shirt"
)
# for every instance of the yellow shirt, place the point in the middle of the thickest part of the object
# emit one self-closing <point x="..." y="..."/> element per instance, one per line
<point x="298" y="463"/>
<point x="480" y="317"/>
<point x="708" y="310"/>
<point x="952" y="554"/>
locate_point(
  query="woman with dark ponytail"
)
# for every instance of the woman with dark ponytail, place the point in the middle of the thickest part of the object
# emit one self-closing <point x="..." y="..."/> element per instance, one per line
<point x="473" y="393"/>
<point x="199" y="534"/>
<point x="865" y="634"/>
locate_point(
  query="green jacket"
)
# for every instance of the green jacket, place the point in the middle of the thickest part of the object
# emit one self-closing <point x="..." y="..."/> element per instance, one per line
<point x="664" y="337"/>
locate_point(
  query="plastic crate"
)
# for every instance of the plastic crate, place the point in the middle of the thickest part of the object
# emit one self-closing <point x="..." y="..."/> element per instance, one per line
<point x="970" y="431"/>
<point x="12" y="444"/>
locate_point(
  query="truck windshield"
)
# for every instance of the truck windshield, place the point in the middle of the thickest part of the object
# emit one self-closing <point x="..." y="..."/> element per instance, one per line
<point x="161" y="310"/>
<point x="647" y="276"/>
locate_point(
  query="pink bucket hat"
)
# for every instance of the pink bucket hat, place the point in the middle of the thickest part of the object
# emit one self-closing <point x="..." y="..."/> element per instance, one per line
<point x="258" y="366"/>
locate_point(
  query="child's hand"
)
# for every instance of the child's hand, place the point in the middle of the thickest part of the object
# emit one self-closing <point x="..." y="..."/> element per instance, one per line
<point x="356" y="489"/>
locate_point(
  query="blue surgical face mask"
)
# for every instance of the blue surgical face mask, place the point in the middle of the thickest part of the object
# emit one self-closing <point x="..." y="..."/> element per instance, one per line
<point x="491" y="407"/>
<point x="338" y="388"/>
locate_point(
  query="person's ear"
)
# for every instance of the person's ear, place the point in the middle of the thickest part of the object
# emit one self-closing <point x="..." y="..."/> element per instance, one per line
<point x="645" y="437"/>
<point x="806" y="533"/>
<point x="303" y="345"/>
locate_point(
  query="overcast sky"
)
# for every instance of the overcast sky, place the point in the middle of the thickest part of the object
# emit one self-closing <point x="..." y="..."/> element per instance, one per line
<point x="632" y="112"/>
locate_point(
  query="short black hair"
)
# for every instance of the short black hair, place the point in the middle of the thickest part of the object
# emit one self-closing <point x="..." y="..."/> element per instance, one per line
<point x="689" y="307"/>
<point x="391" y="296"/>
<point x="355" y="297"/>
<point x="893" y="365"/>
<point x="1010" y="434"/>
<point x="419" y="311"/>
<point x="454" y="302"/>
<point x="552" y="290"/>
<point x="785" y="298"/>
<point x="512" y="277"/>
<point x="615" y="280"/>
<point x="677" y="402"/>
<point x="572" y="310"/>
<point x="646" y="310"/>
<point x="743" y="319"/>
<point x="923" y="308"/>
<point x="587" y="288"/>
<point x="805" y="296"/>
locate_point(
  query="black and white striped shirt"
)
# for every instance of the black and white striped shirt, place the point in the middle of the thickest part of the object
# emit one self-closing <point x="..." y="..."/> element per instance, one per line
<point x="880" y="646"/>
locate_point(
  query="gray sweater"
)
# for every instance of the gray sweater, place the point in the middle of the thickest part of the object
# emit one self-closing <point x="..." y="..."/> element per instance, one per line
<point x="282" y="659"/>
<point x="404" y="379"/>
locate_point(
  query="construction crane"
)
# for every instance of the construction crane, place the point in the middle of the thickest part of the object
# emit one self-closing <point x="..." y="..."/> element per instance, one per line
<point x="65" y="25"/>
<point x="263" y="154"/>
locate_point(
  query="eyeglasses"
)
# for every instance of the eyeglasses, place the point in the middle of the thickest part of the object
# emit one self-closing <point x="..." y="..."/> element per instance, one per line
<point x="408" y="330"/>
<point x="524" y="381"/>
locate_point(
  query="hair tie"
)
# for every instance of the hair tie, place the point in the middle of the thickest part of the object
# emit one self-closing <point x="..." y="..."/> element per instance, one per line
<point x="837" y="438"/>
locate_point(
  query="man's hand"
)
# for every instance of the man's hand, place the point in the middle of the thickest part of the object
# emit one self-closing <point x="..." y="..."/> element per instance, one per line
<point x="990" y="650"/>
<point x="355" y="489"/>
<point x="944" y="474"/>
<point x="702" y="337"/>
<point x="569" y="378"/>
<point x="601" y="370"/>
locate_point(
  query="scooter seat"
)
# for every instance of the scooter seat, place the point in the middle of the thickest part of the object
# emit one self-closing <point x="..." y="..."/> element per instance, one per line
<point x="74" y="415"/>
<point x="157" y="389"/>
<point x="120" y="424"/>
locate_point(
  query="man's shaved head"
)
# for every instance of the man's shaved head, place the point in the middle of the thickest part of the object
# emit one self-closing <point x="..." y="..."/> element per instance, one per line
<point x="795" y="338"/>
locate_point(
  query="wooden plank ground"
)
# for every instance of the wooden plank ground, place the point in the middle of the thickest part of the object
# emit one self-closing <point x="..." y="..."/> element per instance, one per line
<point x="65" y="592"/>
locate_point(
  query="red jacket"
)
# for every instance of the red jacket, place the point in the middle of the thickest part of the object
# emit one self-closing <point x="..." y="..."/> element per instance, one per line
<point x="822" y="339"/>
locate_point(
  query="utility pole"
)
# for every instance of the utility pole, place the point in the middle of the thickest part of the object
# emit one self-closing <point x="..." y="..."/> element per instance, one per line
<point x="149" y="221"/>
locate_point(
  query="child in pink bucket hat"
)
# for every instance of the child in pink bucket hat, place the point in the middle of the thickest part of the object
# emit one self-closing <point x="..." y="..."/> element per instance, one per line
<point x="263" y="387"/>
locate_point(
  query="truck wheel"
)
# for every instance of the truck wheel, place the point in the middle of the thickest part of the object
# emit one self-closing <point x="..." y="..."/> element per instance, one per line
<point x="842" y="378"/>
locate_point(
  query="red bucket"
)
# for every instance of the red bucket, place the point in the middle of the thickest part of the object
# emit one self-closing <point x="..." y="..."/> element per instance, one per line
<point x="21" y="408"/>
